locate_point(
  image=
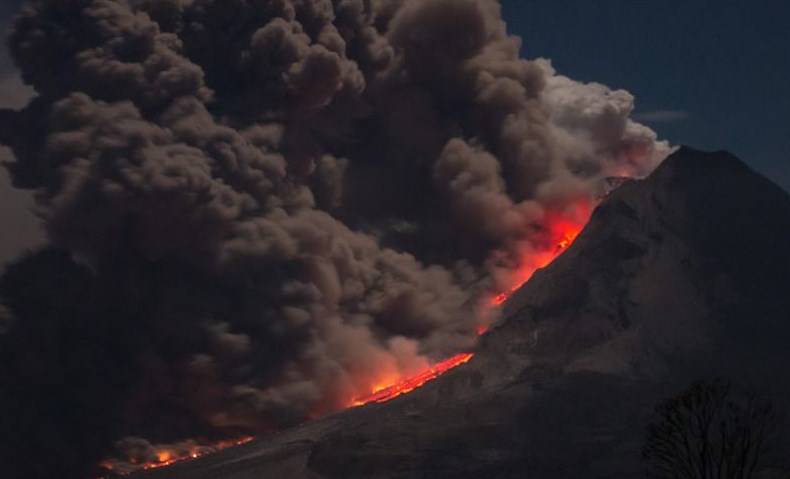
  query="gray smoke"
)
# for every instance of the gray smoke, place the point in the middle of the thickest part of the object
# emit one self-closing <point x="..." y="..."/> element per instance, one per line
<point x="298" y="198"/>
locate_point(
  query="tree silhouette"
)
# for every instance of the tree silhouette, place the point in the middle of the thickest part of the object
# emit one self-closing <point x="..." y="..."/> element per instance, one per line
<point x="710" y="431"/>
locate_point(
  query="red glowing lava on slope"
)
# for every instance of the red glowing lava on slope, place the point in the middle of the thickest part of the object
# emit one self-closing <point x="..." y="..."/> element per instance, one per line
<point x="537" y="261"/>
<point x="560" y="234"/>
<point x="556" y="234"/>
<point x="164" y="456"/>
<point x="410" y="384"/>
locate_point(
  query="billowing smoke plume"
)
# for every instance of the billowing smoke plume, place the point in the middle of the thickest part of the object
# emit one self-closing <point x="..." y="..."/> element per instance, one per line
<point x="270" y="205"/>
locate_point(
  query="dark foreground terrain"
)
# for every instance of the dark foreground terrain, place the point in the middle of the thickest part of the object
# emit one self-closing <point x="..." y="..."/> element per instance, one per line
<point x="678" y="277"/>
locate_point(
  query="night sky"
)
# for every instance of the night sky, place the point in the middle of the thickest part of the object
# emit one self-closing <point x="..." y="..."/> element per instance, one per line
<point x="713" y="75"/>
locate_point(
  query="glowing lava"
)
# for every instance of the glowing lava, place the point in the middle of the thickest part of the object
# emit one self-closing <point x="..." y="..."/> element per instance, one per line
<point x="560" y="235"/>
<point x="410" y="384"/>
<point x="169" y="455"/>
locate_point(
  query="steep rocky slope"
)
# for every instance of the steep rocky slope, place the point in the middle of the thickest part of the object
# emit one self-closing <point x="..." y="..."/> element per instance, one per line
<point x="680" y="276"/>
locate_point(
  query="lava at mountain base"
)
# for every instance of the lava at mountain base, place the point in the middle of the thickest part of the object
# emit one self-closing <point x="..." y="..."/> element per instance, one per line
<point x="164" y="456"/>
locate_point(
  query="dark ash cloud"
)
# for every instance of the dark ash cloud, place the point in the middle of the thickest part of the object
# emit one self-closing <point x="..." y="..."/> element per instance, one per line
<point x="272" y="205"/>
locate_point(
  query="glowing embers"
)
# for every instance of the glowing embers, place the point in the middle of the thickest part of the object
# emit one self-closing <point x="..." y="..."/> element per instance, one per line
<point x="164" y="456"/>
<point x="407" y="385"/>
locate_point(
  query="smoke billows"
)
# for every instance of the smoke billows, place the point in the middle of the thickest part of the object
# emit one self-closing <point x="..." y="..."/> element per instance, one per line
<point x="259" y="208"/>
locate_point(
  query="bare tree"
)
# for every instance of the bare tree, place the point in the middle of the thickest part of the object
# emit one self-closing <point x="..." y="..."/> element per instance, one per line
<point x="709" y="432"/>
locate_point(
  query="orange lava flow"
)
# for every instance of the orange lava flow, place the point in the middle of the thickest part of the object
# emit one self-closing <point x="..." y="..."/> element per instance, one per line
<point x="563" y="234"/>
<point x="559" y="235"/>
<point x="410" y="384"/>
<point x="166" y="456"/>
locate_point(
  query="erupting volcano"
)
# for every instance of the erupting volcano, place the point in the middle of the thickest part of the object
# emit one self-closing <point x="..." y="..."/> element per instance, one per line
<point x="656" y="242"/>
<point x="307" y="220"/>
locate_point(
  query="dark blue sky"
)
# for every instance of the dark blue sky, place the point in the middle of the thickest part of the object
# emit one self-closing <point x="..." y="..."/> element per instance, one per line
<point x="723" y="64"/>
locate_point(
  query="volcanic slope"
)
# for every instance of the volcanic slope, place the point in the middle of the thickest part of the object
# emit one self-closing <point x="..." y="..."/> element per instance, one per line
<point x="677" y="277"/>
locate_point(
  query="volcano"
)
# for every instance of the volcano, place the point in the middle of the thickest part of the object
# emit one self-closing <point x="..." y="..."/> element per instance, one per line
<point x="677" y="277"/>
